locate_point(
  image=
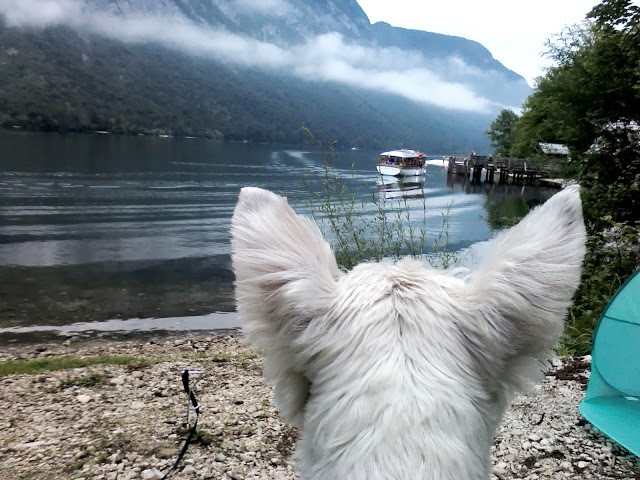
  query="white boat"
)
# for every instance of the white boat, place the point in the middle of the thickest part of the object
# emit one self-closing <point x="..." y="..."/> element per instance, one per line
<point x="401" y="163"/>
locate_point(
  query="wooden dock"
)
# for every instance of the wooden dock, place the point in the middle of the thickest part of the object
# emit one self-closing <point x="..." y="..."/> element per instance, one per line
<point x="520" y="170"/>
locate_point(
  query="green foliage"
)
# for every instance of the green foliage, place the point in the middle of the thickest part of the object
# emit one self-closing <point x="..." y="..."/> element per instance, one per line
<point x="610" y="169"/>
<point x="203" y="437"/>
<point x="92" y="380"/>
<point x="544" y="116"/>
<point x="200" y="435"/>
<point x="612" y="255"/>
<point x="41" y="365"/>
<point x="590" y="101"/>
<point x="441" y="254"/>
<point x="77" y="465"/>
<point x="392" y="232"/>
<point x="502" y="132"/>
<point x="101" y="458"/>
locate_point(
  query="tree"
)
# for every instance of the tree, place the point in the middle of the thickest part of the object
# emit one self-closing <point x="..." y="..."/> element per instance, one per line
<point x="501" y="132"/>
<point x="610" y="169"/>
<point x="590" y="100"/>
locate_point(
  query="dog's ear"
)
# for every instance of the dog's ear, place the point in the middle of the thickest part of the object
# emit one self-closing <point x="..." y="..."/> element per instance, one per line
<point x="285" y="276"/>
<point x="520" y="292"/>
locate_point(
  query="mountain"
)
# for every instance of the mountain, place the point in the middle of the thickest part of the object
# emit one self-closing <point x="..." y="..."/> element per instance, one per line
<point x="276" y="21"/>
<point x="458" y="59"/>
<point x="247" y="70"/>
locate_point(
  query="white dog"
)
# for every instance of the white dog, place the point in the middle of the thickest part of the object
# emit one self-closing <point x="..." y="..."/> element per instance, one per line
<point x="397" y="371"/>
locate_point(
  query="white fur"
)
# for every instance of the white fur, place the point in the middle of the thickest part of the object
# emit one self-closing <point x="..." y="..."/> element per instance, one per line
<point x="399" y="371"/>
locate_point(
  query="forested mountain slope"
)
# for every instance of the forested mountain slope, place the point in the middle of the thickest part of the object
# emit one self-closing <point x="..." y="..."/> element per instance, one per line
<point x="80" y="73"/>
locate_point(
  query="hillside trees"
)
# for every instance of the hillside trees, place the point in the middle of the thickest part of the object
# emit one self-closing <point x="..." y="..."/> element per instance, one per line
<point x="56" y="79"/>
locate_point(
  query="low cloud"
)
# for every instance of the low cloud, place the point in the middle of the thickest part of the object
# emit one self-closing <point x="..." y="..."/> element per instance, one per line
<point x="41" y="13"/>
<point x="322" y="58"/>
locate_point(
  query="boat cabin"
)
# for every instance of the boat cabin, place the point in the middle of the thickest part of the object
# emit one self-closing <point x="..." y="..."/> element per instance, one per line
<point x="402" y="158"/>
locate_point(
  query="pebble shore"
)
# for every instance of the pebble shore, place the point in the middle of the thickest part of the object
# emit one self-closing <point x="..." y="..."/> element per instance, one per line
<point x="127" y="421"/>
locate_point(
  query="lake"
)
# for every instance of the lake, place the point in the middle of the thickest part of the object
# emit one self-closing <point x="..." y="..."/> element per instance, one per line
<point x="117" y="233"/>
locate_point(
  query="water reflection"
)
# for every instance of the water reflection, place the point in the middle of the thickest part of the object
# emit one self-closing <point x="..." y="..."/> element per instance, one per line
<point x="505" y="204"/>
<point x="532" y="194"/>
<point x="392" y="188"/>
<point x="108" y="227"/>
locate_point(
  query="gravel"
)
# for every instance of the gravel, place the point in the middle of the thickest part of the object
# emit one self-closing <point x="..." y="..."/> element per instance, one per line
<point x="127" y="422"/>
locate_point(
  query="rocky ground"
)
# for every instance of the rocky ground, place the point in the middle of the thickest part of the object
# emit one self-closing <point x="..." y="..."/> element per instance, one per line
<point x="126" y="421"/>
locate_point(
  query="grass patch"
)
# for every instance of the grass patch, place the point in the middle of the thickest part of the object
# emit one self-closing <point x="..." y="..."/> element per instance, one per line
<point x="101" y="458"/>
<point x="76" y="465"/>
<point x="238" y="357"/>
<point x="371" y="227"/>
<point x="40" y="365"/>
<point x="203" y="437"/>
<point x="200" y="436"/>
<point x="90" y="381"/>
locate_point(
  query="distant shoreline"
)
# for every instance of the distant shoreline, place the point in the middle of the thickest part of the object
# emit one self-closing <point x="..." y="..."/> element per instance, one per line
<point x="338" y="148"/>
<point x="120" y="330"/>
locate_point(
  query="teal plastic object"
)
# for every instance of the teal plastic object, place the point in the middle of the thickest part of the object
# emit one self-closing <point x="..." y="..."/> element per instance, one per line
<point x="612" y="401"/>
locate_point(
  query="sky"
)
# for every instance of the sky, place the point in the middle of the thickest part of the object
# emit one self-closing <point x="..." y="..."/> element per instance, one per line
<point x="514" y="31"/>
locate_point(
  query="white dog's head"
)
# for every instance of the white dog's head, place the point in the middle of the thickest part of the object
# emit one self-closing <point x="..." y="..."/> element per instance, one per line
<point x="400" y="371"/>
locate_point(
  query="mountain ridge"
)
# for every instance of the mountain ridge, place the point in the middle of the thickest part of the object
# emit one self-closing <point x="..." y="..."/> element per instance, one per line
<point x="343" y="16"/>
<point x="62" y="77"/>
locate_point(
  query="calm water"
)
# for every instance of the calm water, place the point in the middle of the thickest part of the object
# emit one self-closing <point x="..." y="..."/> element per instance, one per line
<point x="99" y="227"/>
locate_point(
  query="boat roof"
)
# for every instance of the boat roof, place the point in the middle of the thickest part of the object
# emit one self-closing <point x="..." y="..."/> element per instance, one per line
<point x="402" y="153"/>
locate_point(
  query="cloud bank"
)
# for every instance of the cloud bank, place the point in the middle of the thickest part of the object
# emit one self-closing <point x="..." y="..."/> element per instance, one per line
<point x="327" y="57"/>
